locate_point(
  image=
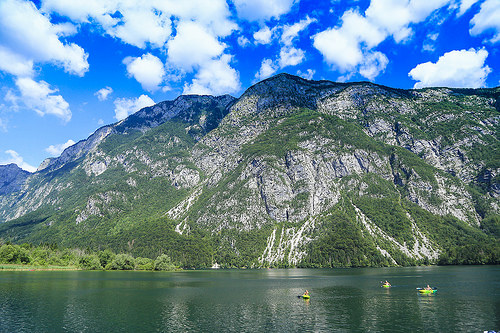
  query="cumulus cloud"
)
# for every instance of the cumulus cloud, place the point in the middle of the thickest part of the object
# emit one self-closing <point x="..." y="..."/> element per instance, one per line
<point x="126" y="106"/>
<point x="102" y="94"/>
<point x="267" y="68"/>
<point x="148" y="70"/>
<point x="147" y="22"/>
<point x="216" y="77"/>
<point x="487" y="20"/>
<point x="349" y="47"/>
<point x="25" y="32"/>
<point x="196" y="49"/>
<point x="263" y="36"/>
<point x="193" y="45"/>
<point x="463" y="68"/>
<point x="15" y="64"/>
<point x="15" y="158"/>
<point x="57" y="149"/>
<point x="39" y="97"/>
<point x="290" y="56"/>
<point x="190" y="32"/>
<point x="373" y="64"/>
<point x="260" y="10"/>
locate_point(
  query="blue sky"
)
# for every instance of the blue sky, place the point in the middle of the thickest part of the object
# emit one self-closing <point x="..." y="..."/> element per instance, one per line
<point x="70" y="67"/>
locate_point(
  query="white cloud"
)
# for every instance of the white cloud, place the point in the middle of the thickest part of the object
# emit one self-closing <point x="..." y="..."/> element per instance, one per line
<point x="487" y="20"/>
<point x="465" y="5"/>
<point x="463" y="68"/>
<point x="267" y="68"/>
<point x="263" y="36"/>
<point x="148" y="70"/>
<point x="338" y="49"/>
<point x="308" y="75"/>
<point x="102" y="94"/>
<point x="259" y="10"/>
<point x="17" y="159"/>
<point x="39" y="97"/>
<point x="56" y="150"/>
<point x="290" y="56"/>
<point x="395" y="16"/>
<point x="25" y="32"/>
<point x="126" y="106"/>
<point x="290" y="32"/>
<point x="373" y="64"/>
<point x="243" y="41"/>
<point x="190" y="32"/>
<point x="349" y="47"/>
<point x="143" y="23"/>
<point x="15" y="64"/>
<point x="216" y="77"/>
<point x="429" y="43"/>
<point x="193" y="45"/>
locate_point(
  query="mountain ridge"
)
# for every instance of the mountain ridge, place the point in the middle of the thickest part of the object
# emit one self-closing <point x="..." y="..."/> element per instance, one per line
<point x="266" y="178"/>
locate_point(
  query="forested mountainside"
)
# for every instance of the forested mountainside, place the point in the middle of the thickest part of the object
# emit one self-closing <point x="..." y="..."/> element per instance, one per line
<point x="292" y="173"/>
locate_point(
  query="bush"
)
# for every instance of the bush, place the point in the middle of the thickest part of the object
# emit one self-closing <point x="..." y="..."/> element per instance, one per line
<point x="9" y="254"/>
<point x="91" y="262"/>
<point x="163" y="263"/>
<point x="122" y="262"/>
<point x="144" y="264"/>
<point x="106" y="257"/>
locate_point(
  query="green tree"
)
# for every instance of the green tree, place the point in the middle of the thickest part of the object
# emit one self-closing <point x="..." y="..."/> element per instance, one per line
<point x="164" y="263"/>
<point x="122" y="262"/>
<point x="9" y="254"/>
<point x="90" y="262"/>
<point x="106" y="257"/>
<point x="144" y="264"/>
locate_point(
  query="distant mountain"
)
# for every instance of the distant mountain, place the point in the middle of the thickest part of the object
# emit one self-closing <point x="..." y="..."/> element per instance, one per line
<point x="292" y="173"/>
<point x="12" y="178"/>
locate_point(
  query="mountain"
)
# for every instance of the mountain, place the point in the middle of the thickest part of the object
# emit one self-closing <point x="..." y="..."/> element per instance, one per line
<point x="12" y="178"/>
<point x="292" y="173"/>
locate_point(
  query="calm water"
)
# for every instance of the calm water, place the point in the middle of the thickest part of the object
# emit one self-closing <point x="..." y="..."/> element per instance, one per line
<point x="342" y="300"/>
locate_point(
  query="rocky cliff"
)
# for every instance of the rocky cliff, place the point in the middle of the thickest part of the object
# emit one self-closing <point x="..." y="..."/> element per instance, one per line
<point x="294" y="172"/>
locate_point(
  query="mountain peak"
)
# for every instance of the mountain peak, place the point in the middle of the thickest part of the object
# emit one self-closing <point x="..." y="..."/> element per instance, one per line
<point x="12" y="177"/>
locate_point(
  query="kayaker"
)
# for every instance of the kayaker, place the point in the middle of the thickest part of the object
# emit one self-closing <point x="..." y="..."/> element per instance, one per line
<point x="386" y="283"/>
<point x="306" y="292"/>
<point x="428" y="287"/>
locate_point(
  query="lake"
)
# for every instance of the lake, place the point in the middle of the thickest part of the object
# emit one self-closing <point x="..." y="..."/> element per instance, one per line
<point x="342" y="300"/>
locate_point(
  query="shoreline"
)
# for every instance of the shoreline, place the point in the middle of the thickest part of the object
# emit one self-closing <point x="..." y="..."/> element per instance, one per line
<point x="15" y="267"/>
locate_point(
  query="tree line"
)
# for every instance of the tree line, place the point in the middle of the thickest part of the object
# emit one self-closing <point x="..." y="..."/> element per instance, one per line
<point x="46" y="255"/>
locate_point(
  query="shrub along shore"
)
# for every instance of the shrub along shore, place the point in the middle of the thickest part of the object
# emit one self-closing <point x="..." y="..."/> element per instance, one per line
<point x="50" y="257"/>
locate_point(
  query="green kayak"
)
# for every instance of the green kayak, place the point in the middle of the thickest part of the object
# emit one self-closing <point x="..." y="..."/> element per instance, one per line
<point x="386" y="286"/>
<point x="306" y="296"/>
<point x="427" y="291"/>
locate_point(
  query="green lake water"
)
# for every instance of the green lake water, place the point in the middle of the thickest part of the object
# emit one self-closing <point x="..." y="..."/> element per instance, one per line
<point x="342" y="300"/>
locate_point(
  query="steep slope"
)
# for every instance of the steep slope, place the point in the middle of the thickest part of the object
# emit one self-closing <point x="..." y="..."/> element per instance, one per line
<point x="294" y="172"/>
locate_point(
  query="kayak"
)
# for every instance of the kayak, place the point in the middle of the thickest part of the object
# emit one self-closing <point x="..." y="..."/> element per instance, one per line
<point x="306" y="296"/>
<point x="386" y="286"/>
<point x="427" y="291"/>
